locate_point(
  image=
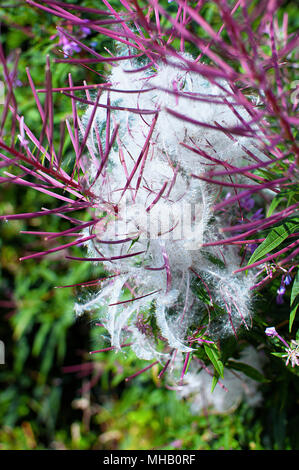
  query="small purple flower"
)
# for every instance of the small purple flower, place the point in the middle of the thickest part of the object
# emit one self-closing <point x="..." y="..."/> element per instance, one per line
<point x="85" y="31"/>
<point x="257" y="215"/>
<point x="252" y="247"/>
<point x="16" y="81"/>
<point x="271" y="331"/>
<point x="247" y="203"/>
<point x="68" y="46"/>
<point x="178" y="442"/>
<point x="291" y="350"/>
<point x="288" y="279"/>
<point x="281" y="291"/>
<point x="93" y="44"/>
<point x="292" y="354"/>
<point x="285" y="281"/>
<point x="279" y="297"/>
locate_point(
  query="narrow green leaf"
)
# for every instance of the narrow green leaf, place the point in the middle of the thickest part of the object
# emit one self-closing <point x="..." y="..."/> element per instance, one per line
<point x="274" y="239"/>
<point x="247" y="370"/>
<point x="214" y="382"/>
<point x="213" y="355"/>
<point x="189" y="362"/>
<point x="40" y="338"/>
<point x="281" y="355"/>
<point x="294" y="301"/>
<point x="275" y="202"/>
<point x="133" y="243"/>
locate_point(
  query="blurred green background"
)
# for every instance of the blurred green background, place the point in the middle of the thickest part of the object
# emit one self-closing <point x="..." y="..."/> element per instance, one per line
<point x="53" y="394"/>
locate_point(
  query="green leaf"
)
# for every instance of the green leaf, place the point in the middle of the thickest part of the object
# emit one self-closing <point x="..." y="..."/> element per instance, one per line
<point x="188" y="364"/>
<point x="294" y="301"/>
<point x="247" y="370"/>
<point x="218" y="262"/>
<point x="214" y="382"/>
<point x="213" y="355"/>
<point x="133" y="243"/>
<point x="40" y="338"/>
<point x="274" y="204"/>
<point x="276" y="354"/>
<point x="275" y="238"/>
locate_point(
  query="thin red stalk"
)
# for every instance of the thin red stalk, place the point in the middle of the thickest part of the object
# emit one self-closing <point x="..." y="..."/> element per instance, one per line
<point x="218" y="32"/>
<point x="155" y="269"/>
<point x="164" y="369"/>
<point x="291" y="257"/>
<point x="73" y="6"/>
<point x="59" y="248"/>
<point x="88" y="127"/>
<point x="205" y="284"/>
<point x="180" y="31"/>
<point x="106" y="155"/>
<point x="254" y="188"/>
<point x="243" y="194"/>
<point x="276" y="68"/>
<point x="52" y="234"/>
<point x="167" y="268"/>
<point x="234" y="171"/>
<point x="61" y="142"/>
<point x="229" y="241"/>
<point x="49" y="101"/>
<point x="58" y="173"/>
<point x="62" y="14"/>
<point x="39" y="166"/>
<point x="57" y="184"/>
<point x="72" y="229"/>
<point x="102" y="86"/>
<point x="87" y="283"/>
<point x="115" y="242"/>
<point x="75" y="124"/>
<point x="202" y="364"/>
<point x="270" y="257"/>
<point x="141" y="371"/>
<point x="37" y="187"/>
<point x="112" y="258"/>
<point x="184" y="367"/>
<point x="272" y="218"/>
<point x="233" y="130"/>
<point x="141" y="155"/>
<point x="125" y="27"/>
<point x="58" y="210"/>
<point x="117" y="108"/>
<point x="158" y="197"/>
<point x="9" y="79"/>
<point x="111" y="348"/>
<point x="135" y="298"/>
<point x="81" y="44"/>
<point x="42" y="113"/>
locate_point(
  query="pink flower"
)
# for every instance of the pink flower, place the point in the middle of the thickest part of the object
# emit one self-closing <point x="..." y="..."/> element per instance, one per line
<point x="292" y="354"/>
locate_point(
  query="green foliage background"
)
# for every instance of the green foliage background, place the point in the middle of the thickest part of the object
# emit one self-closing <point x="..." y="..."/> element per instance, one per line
<point x="46" y="402"/>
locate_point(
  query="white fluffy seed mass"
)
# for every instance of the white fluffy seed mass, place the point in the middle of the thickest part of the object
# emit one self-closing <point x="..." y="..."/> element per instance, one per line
<point x="234" y="388"/>
<point x="156" y="215"/>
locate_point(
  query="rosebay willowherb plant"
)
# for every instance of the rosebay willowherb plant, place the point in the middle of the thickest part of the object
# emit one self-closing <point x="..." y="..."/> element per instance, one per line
<point x="184" y="171"/>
